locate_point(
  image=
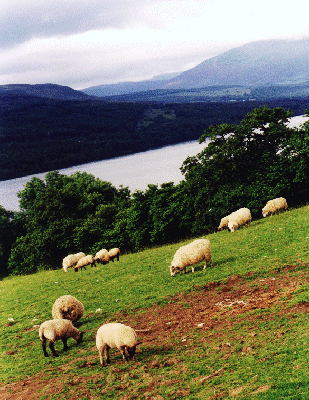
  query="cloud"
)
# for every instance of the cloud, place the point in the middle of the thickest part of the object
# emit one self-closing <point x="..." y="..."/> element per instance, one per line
<point x="23" y="20"/>
<point x="82" y="43"/>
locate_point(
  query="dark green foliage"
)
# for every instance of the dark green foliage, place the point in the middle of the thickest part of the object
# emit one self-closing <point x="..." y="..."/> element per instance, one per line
<point x="40" y="134"/>
<point x="247" y="164"/>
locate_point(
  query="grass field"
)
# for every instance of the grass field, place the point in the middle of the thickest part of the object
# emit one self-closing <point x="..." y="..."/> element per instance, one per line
<point x="239" y="329"/>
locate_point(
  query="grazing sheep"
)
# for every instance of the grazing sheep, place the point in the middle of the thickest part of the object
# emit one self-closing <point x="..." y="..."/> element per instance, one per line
<point x="67" y="307"/>
<point x="224" y="223"/>
<point x="71" y="260"/>
<point x="113" y="253"/>
<point x="115" y="335"/>
<point x="191" y="254"/>
<point x="238" y="218"/>
<point x="274" y="205"/>
<point x="102" y="256"/>
<point x="58" y="329"/>
<point x="83" y="262"/>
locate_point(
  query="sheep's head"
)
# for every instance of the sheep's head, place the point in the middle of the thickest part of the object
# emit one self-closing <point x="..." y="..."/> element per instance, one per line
<point x="264" y="212"/>
<point x="173" y="270"/>
<point x="232" y="226"/>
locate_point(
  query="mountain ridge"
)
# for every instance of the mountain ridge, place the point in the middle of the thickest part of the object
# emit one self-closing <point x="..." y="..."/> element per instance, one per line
<point x="255" y="64"/>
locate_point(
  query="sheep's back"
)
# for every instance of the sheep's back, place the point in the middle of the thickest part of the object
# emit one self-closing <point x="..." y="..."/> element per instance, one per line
<point x="55" y="329"/>
<point x="67" y="307"/>
<point x="115" y="335"/>
<point x="192" y="253"/>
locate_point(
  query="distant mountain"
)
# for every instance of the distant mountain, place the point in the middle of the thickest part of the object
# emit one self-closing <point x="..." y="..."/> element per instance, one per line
<point x="116" y="89"/>
<point x="48" y="90"/>
<point x="267" y="62"/>
<point x="256" y="64"/>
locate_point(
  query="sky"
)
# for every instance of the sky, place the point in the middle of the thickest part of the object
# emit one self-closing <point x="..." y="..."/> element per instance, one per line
<point x="84" y="43"/>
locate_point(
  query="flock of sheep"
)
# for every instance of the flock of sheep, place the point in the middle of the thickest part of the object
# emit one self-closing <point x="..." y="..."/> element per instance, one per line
<point x="199" y="250"/>
<point x="67" y="309"/>
<point x="81" y="260"/>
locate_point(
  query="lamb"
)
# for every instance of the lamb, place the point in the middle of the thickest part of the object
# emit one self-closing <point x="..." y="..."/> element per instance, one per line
<point x="115" y="335"/>
<point x="67" y="307"/>
<point x="58" y="329"/>
<point x="102" y="256"/>
<point x="224" y="223"/>
<point x="274" y="205"/>
<point x="238" y="218"/>
<point x="191" y="254"/>
<point x="113" y="253"/>
<point x="71" y="260"/>
<point x="83" y="262"/>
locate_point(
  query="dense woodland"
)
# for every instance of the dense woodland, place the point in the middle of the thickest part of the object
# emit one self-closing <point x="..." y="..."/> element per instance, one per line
<point x="42" y="134"/>
<point x="245" y="164"/>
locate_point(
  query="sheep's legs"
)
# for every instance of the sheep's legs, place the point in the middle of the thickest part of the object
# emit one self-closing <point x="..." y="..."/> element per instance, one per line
<point x="104" y="352"/>
<point x="65" y="346"/>
<point x="206" y="264"/>
<point x="52" y="348"/>
<point x="44" y="346"/>
<point x="123" y="352"/>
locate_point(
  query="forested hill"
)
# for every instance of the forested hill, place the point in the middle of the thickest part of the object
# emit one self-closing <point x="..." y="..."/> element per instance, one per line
<point x="43" y="134"/>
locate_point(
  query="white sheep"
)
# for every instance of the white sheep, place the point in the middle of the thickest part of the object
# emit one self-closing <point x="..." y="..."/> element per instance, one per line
<point x="102" y="256"/>
<point x="113" y="253"/>
<point x="224" y="223"/>
<point x="238" y="218"/>
<point x="115" y="335"/>
<point x="58" y="329"/>
<point x="274" y="205"/>
<point x="71" y="260"/>
<point x="83" y="262"/>
<point x="67" y="307"/>
<point x="191" y="254"/>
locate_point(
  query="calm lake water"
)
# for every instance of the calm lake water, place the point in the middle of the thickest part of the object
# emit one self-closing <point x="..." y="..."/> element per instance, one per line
<point x="135" y="171"/>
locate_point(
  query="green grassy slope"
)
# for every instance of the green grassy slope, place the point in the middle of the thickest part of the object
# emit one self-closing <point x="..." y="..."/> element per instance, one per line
<point x="140" y="280"/>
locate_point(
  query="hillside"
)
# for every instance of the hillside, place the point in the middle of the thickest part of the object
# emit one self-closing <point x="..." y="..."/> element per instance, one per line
<point x="48" y="91"/>
<point x="236" y="329"/>
<point x="261" y="63"/>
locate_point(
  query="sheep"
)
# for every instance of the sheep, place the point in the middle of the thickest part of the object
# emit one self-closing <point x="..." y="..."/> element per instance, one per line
<point x="238" y="218"/>
<point x="71" y="260"/>
<point x="58" y="329"/>
<point x="113" y="253"/>
<point x="224" y="223"/>
<point x="191" y="254"/>
<point x="83" y="262"/>
<point x="67" y="307"/>
<point x="102" y="256"/>
<point x="116" y="335"/>
<point x="274" y="205"/>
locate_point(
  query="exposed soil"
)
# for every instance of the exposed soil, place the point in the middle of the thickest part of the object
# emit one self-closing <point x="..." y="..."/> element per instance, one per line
<point x="201" y="309"/>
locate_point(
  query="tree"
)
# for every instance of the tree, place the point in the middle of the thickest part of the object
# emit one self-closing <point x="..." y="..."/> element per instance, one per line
<point x="64" y="214"/>
<point x="245" y="165"/>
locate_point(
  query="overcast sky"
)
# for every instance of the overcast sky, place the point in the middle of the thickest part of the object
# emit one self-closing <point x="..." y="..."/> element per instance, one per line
<point x="83" y="43"/>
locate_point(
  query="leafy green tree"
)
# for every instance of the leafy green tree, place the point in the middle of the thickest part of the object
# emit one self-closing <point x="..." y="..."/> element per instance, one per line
<point x="245" y="165"/>
<point x="64" y="214"/>
<point x="170" y="213"/>
<point x="11" y="226"/>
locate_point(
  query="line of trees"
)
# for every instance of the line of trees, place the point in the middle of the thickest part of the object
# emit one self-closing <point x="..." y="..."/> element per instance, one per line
<point x="244" y="165"/>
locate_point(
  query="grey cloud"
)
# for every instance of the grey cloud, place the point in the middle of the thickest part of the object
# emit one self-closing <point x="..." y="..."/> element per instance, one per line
<point x="23" y="20"/>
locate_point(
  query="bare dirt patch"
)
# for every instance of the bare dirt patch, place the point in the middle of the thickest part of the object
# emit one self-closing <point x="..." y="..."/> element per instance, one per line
<point x="182" y="314"/>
